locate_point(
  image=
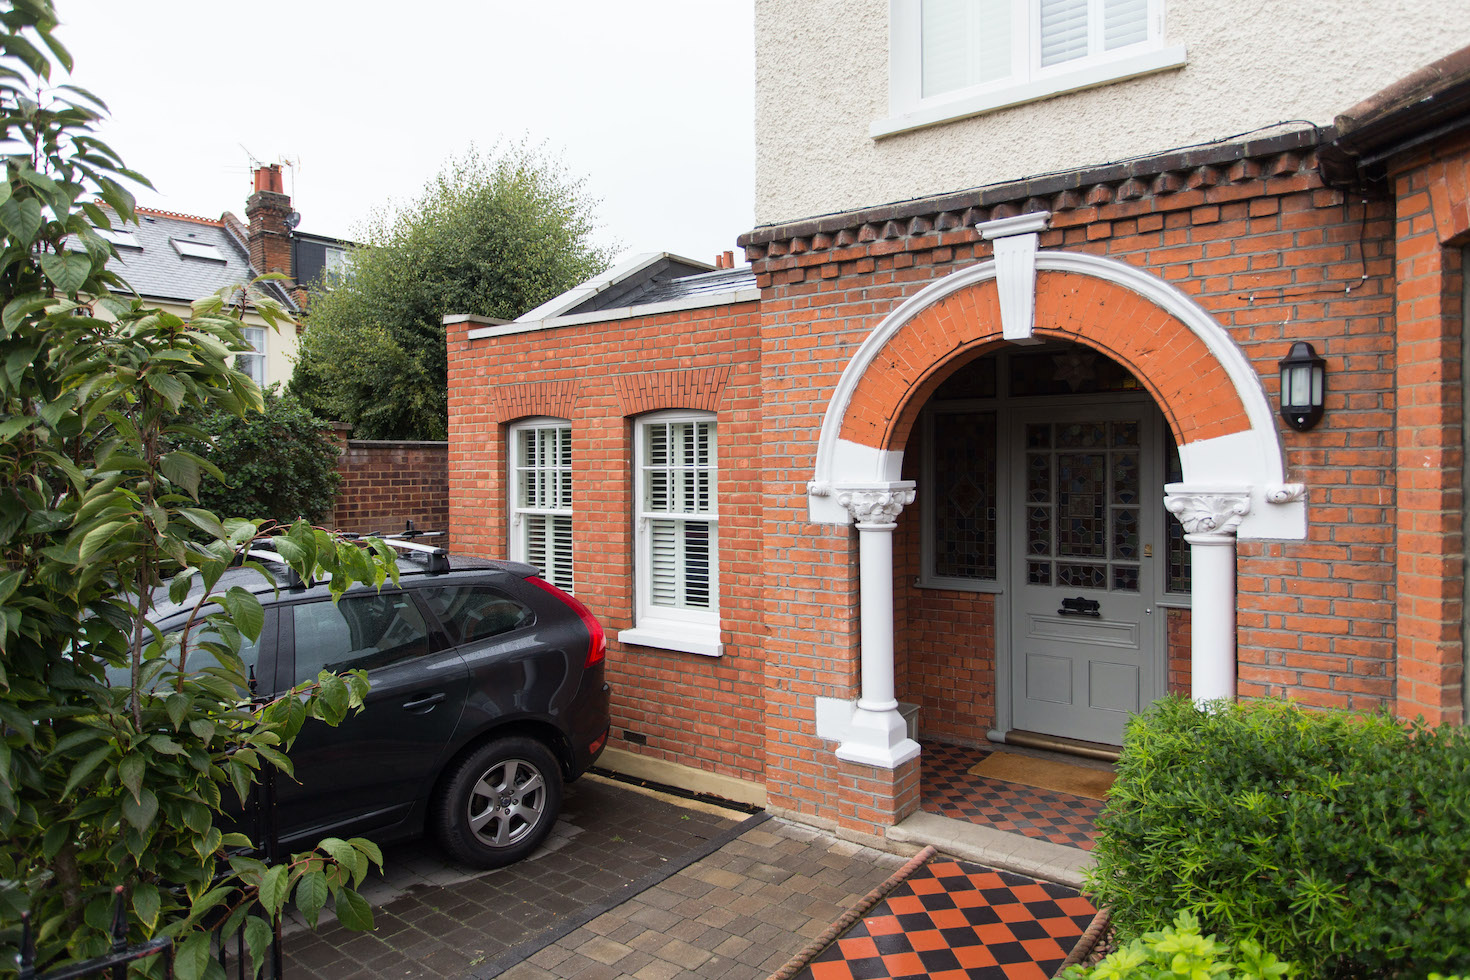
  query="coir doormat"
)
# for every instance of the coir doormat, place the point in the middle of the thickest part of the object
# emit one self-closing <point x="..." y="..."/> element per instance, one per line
<point x="1059" y="777"/>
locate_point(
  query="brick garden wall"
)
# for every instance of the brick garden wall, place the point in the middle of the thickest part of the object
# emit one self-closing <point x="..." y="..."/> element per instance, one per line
<point x="385" y="484"/>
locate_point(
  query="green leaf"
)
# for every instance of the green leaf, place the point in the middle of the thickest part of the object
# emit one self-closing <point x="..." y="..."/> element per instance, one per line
<point x="258" y="937"/>
<point x="311" y="895"/>
<point x="141" y="811"/>
<point x="274" y="887"/>
<point x="181" y="470"/>
<point x="353" y="911"/>
<point x="167" y="385"/>
<point x="146" y="903"/>
<point x="335" y="699"/>
<point x="203" y="520"/>
<point x="84" y="768"/>
<point x="245" y="611"/>
<point x="191" y="956"/>
<point x="68" y="270"/>
<point x="21" y="217"/>
<point x="98" y="538"/>
<point x="130" y="773"/>
<point x="57" y="835"/>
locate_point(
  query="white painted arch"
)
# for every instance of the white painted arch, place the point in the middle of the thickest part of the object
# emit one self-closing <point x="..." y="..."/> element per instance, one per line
<point x="1249" y="462"/>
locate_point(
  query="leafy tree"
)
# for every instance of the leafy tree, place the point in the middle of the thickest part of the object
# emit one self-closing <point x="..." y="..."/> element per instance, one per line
<point x="280" y="462"/>
<point x="105" y="783"/>
<point x="493" y="235"/>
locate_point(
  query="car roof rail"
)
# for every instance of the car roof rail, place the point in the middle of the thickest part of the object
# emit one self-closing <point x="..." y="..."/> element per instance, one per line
<point x="434" y="558"/>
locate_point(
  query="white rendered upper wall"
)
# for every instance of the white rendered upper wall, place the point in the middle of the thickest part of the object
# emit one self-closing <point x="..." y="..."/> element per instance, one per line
<point x="823" y="90"/>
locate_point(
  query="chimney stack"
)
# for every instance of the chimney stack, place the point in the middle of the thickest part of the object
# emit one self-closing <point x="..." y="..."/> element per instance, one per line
<point x="266" y="212"/>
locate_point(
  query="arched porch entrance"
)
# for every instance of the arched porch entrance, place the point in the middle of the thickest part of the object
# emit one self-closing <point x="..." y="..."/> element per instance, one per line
<point x="1207" y="395"/>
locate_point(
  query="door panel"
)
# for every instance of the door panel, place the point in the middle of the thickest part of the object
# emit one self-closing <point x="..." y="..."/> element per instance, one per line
<point x="1082" y="650"/>
<point x="369" y="770"/>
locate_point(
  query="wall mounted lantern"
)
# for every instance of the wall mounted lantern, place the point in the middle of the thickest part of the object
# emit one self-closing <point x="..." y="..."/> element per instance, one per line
<point x="1303" y="383"/>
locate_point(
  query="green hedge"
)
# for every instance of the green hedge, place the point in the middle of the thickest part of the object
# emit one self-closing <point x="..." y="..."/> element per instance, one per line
<point x="1339" y="841"/>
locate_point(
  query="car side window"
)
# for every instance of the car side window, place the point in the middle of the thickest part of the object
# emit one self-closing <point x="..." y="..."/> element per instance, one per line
<point x="358" y="633"/>
<point x="476" y="612"/>
<point x="199" y="657"/>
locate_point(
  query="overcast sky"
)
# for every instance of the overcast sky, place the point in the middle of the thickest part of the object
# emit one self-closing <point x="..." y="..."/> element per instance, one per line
<point x="650" y="100"/>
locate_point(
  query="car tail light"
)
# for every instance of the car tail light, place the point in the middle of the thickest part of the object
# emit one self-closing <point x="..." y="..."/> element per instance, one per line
<point x="597" y="743"/>
<point x="597" y="649"/>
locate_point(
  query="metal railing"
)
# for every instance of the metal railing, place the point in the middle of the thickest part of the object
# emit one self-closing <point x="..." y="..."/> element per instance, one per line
<point x="260" y="815"/>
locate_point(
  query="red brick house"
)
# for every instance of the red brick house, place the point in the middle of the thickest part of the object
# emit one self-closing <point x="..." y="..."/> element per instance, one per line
<point x="1005" y="463"/>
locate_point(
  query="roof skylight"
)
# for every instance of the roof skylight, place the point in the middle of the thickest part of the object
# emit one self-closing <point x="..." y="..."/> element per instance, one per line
<point x="120" y="237"/>
<point x="191" y="249"/>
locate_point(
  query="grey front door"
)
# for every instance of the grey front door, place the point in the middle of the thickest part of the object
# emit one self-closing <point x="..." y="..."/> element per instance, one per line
<point x="1087" y="483"/>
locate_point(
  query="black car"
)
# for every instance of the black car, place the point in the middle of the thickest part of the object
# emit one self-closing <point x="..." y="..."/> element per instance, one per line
<point x="487" y="693"/>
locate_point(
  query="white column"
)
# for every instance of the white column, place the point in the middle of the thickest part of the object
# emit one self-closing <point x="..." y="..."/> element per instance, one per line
<point x="877" y="735"/>
<point x="1210" y="517"/>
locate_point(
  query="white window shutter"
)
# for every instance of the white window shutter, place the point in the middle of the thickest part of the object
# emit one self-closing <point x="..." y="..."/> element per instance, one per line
<point x="1063" y="31"/>
<point x="964" y="43"/>
<point x="1125" y="22"/>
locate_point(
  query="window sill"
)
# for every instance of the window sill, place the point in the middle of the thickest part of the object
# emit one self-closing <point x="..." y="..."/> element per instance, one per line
<point x="701" y="640"/>
<point x="1102" y="73"/>
<point x="989" y="586"/>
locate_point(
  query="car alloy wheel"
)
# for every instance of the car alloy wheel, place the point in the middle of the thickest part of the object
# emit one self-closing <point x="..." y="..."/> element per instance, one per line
<point x="499" y="802"/>
<point x="506" y="803"/>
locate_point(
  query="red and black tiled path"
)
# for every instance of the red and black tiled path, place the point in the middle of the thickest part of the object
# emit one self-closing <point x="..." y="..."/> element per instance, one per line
<point x="956" y="921"/>
<point x="948" y="789"/>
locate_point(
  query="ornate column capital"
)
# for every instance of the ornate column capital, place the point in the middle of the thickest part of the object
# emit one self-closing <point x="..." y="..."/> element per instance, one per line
<point x="878" y="505"/>
<point x="1208" y="510"/>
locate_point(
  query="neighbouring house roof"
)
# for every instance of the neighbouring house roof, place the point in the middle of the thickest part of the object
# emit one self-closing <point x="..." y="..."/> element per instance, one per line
<point x="647" y="284"/>
<point x="1430" y="104"/>
<point x="180" y="257"/>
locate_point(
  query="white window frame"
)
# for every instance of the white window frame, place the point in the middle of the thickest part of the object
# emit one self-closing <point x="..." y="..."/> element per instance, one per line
<point x="683" y="629"/>
<point x="554" y="503"/>
<point x="1029" y="82"/>
<point x="254" y="364"/>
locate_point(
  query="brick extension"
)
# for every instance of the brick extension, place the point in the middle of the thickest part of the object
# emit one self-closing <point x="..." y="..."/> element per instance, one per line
<point x="1363" y="613"/>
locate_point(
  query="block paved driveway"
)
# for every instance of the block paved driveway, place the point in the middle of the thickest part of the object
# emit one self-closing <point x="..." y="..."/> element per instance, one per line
<point x="613" y="894"/>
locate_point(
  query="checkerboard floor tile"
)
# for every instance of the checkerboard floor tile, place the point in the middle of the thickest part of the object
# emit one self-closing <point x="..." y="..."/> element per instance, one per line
<point x="948" y="789"/>
<point x="956" y="921"/>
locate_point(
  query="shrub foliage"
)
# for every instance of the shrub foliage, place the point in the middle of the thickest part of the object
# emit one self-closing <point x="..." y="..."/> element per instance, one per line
<point x="494" y="235"/>
<point x="116" y="761"/>
<point x="1181" y="951"/>
<point x="1339" y="841"/>
<point x="279" y="463"/>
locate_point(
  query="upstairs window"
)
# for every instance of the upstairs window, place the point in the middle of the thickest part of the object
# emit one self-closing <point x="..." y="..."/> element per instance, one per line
<point x="954" y="58"/>
<point x="253" y="364"/>
<point x="541" y="498"/>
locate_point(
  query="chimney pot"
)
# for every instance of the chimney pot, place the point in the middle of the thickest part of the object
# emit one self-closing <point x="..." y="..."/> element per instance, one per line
<point x="268" y="178"/>
<point x="729" y="259"/>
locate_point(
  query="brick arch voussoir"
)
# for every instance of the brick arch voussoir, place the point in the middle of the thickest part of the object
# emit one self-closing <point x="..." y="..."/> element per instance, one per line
<point x="1176" y="367"/>
<point x="916" y="359"/>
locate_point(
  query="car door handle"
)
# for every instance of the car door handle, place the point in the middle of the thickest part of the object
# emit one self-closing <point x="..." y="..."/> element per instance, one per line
<point x="423" y="704"/>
